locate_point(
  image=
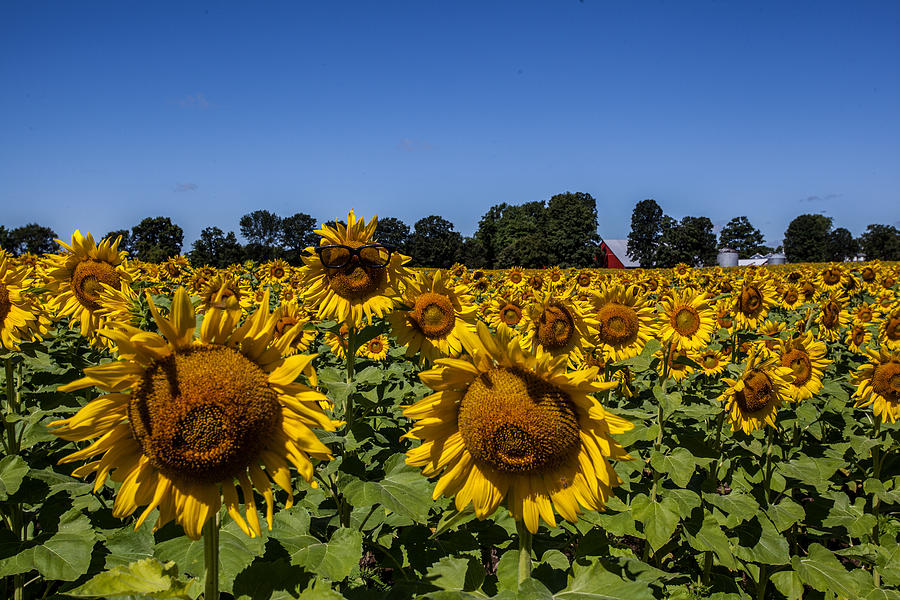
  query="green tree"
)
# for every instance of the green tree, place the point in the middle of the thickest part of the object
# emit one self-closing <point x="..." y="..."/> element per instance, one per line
<point x="487" y="233"/>
<point x="740" y="235"/>
<point x="571" y="221"/>
<point x="434" y="243"/>
<point x="691" y="241"/>
<point x="646" y="232"/>
<point x="5" y="239"/>
<point x="156" y="238"/>
<point x="806" y="238"/>
<point x="124" y="243"/>
<point x="32" y="238"/>
<point x="261" y="228"/>
<point x="880" y="242"/>
<point x="391" y="230"/>
<point x="297" y="234"/>
<point x="472" y="253"/>
<point x="216" y="248"/>
<point x="841" y="245"/>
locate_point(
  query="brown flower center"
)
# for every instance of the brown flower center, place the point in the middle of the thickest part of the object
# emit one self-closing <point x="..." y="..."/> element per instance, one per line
<point x="375" y="346"/>
<point x="886" y="380"/>
<point x="433" y="315"/>
<point x="355" y="281"/>
<point x="5" y="303"/>
<point x="710" y="361"/>
<point x="555" y="327"/>
<point x="203" y="414"/>
<point x="618" y="324"/>
<point x="857" y="335"/>
<point x="86" y="279"/>
<point x="750" y="302"/>
<point x="686" y="321"/>
<point x="536" y="282"/>
<point x="757" y="393"/>
<point x="791" y="297"/>
<point x="511" y="314"/>
<point x="799" y="361"/>
<point x="868" y="274"/>
<point x="831" y="314"/>
<point x="865" y="314"/>
<point x="518" y="423"/>
<point x="831" y="276"/>
<point x="284" y="324"/>
<point x="515" y="277"/>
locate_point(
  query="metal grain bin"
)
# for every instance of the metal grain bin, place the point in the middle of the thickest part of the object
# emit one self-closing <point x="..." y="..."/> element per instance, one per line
<point x="777" y="259"/>
<point x="727" y="257"/>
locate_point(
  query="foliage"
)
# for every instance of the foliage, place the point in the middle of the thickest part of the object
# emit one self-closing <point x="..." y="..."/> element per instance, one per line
<point x="434" y="243"/>
<point x="881" y="242"/>
<point x="125" y="239"/>
<point x="806" y="238"/>
<point x="261" y="227"/>
<point x="740" y="235"/>
<point x="646" y="231"/>
<point x="842" y="245"/>
<point x="391" y="230"/>
<point x="31" y="238"/>
<point x="155" y="239"/>
<point x="691" y="241"/>
<point x="297" y="234"/>
<point x="572" y="225"/>
<point x="216" y="248"/>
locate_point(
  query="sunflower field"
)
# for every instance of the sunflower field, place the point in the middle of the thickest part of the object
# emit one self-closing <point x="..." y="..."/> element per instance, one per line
<point x="354" y="428"/>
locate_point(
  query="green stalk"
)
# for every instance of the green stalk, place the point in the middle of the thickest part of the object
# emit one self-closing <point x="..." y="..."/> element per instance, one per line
<point x="11" y="444"/>
<point x="351" y="373"/>
<point x="524" y="551"/>
<point x="876" y="501"/>
<point x="211" y="557"/>
<point x="659" y="436"/>
<point x="768" y="472"/>
<point x="714" y="478"/>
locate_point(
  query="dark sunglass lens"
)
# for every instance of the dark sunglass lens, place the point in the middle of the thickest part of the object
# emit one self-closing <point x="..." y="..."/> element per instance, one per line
<point x="376" y="256"/>
<point x="335" y="257"/>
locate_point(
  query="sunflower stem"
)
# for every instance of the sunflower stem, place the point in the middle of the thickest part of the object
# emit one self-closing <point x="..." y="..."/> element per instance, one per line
<point x="211" y="557"/>
<point x="351" y="373"/>
<point x="876" y="501"/>
<point x="714" y="479"/>
<point x="12" y="408"/>
<point x="524" y="551"/>
<point x="768" y="472"/>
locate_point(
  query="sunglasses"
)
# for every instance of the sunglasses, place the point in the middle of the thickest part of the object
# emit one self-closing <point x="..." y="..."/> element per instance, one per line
<point x="335" y="256"/>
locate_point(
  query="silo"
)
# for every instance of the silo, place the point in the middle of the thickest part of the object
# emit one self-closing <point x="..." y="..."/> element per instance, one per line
<point x="727" y="257"/>
<point x="777" y="259"/>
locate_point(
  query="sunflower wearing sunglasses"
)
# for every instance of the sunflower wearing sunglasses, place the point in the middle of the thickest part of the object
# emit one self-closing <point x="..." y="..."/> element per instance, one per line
<point x="350" y="277"/>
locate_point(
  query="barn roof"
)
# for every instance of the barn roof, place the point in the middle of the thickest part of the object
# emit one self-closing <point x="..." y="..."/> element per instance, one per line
<point x="620" y="249"/>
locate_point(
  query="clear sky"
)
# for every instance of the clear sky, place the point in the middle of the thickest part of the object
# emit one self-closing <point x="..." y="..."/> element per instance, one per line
<point x="115" y="111"/>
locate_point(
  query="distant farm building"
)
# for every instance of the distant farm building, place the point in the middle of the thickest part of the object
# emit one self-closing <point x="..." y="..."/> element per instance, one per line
<point x="614" y="255"/>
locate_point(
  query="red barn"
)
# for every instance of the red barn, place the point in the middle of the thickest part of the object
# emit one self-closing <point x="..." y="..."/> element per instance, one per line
<point x="614" y="255"/>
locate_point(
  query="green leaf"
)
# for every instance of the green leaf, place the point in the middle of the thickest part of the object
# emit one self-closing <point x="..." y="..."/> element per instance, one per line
<point x="687" y="500"/>
<point x="127" y="546"/>
<point x="761" y="543"/>
<point x="851" y="517"/>
<point x="822" y="571"/>
<point x="147" y="577"/>
<point x="709" y="537"/>
<point x="596" y="583"/>
<point x="659" y="518"/>
<point x="12" y="470"/>
<point x="452" y="518"/>
<point x="737" y="506"/>
<point x="785" y="513"/>
<point x="67" y="554"/>
<point x="334" y="560"/>
<point x="319" y="590"/>
<point x="679" y="465"/>
<point x="451" y="573"/>
<point x="811" y="471"/>
<point x="555" y="559"/>
<point x="404" y="491"/>
<point x="789" y="584"/>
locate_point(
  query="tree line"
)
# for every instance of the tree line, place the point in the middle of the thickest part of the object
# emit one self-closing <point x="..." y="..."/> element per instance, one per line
<point x="560" y="231"/>
<point x="657" y="240"/>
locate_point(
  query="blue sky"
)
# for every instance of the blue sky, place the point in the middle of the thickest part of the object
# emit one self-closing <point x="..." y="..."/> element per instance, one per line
<point x="114" y="111"/>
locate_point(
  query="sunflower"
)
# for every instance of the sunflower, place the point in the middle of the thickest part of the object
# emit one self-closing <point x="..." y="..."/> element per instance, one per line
<point x="790" y="297"/>
<point x="725" y="315"/>
<point x="677" y="370"/>
<point x="584" y="279"/>
<point x="17" y="311"/>
<point x="560" y="325"/>
<point x="832" y="317"/>
<point x="76" y="278"/>
<point x="227" y="292"/>
<point x="555" y="277"/>
<point x="753" y="400"/>
<point x="288" y="325"/>
<point x="712" y="362"/>
<point x="184" y="417"/>
<point x="869" y="272"/>
<point x="376" y="348"/>
<point x="176" y="269"/>
<point x="510" y="310"/>
<point x="857" y="337"/>
<point x="537" y="283"/>
<point x="805" y="356"/>
<point x="830" y="277"/>
<point x="338" y="342"/>
<point x="438" y="316"/>
<point x="889" y="330"/>
<point x="878" y="384"/>
<point x="357" y="290"/>
<point x="753" y="302"/>
<point x="627" y="321"/>
<point x="687" y="321"/>
<point x="512" y="424"/>
<point x="682" y="271"/>
<point x="275" y="271"/>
